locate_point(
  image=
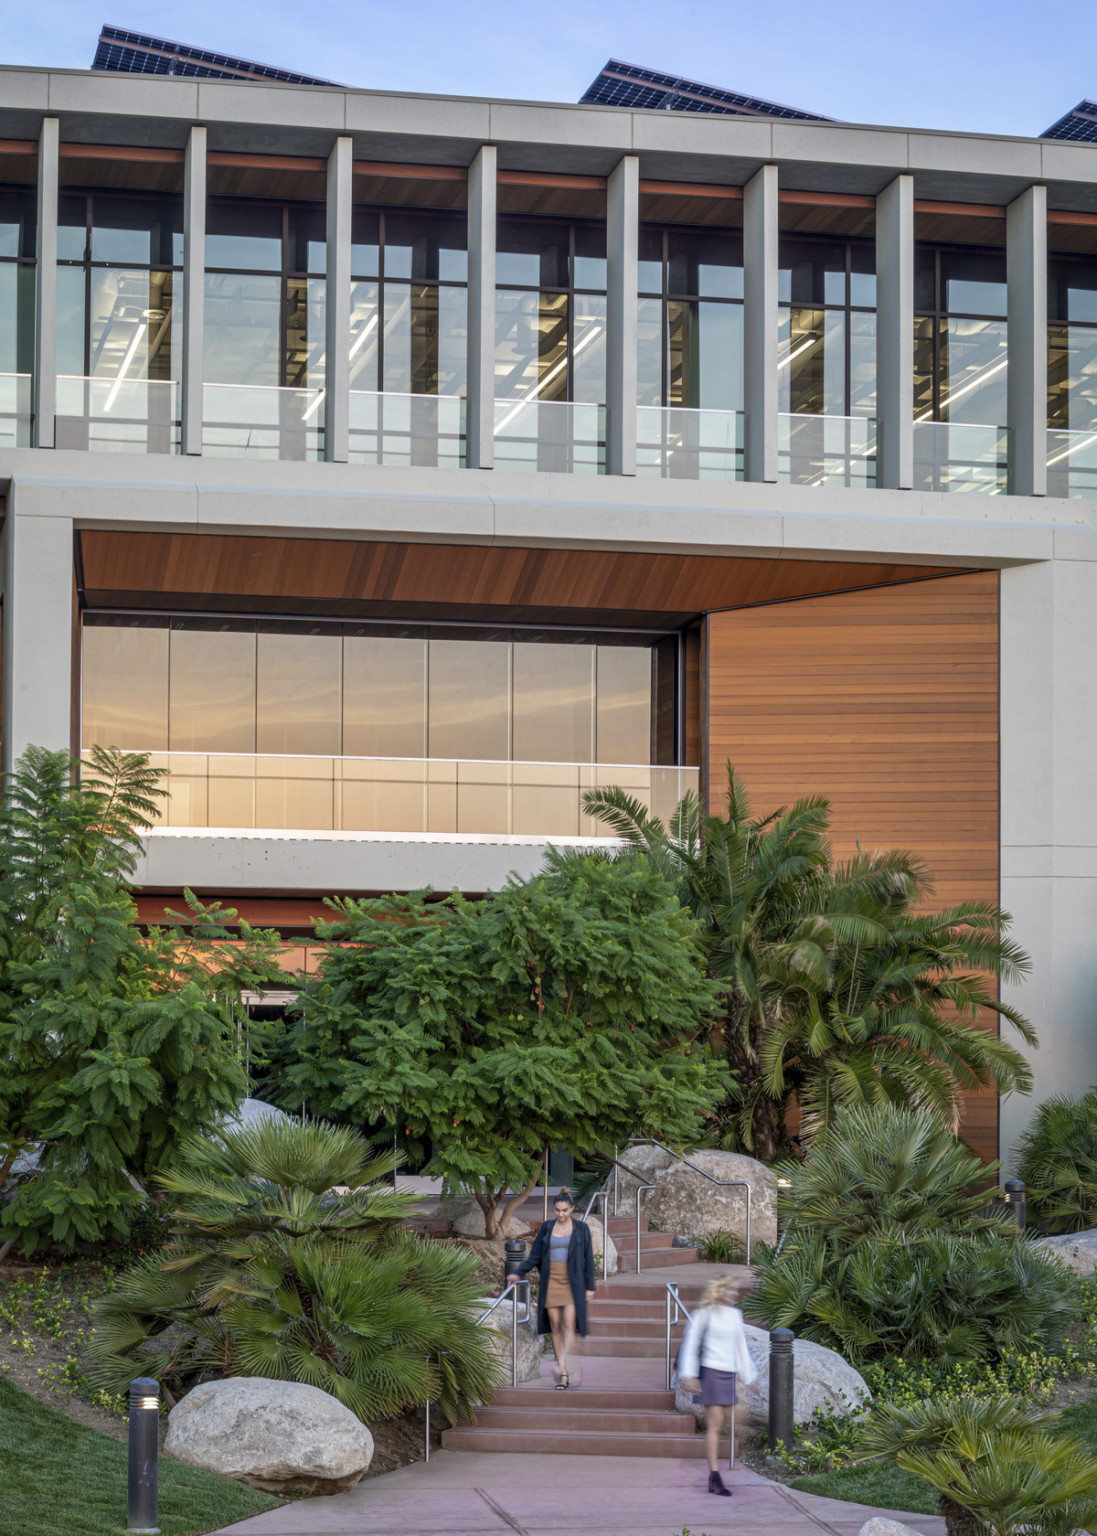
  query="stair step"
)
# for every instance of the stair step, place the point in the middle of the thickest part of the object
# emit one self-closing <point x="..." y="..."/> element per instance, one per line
<point x="630" y="1311"/>
<point x="623" y="1328"/>
<point x="583" y="1421"/>
<point x="626" y="1242"/>
<point x="626" y="1224"/>
<point x="689" y="1290"/>
<point x="547" y="1443"/>
<point x="594" y="1398"/>
<point x="623" y="1344"/>
<point x="656" y="1258"/>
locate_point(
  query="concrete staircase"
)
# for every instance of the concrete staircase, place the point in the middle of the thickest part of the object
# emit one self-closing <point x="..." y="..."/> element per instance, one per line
<point x="621" y="1407"/>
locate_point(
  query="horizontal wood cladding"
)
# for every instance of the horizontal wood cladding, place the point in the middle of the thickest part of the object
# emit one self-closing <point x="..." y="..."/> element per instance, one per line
<point x="886" y="702"/>
<point x="390" y="580"/>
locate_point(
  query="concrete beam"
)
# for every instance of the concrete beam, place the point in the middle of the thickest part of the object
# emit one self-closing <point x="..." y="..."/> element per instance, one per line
<point x="45" y="276"/>
<point x="760" y="324"/>
<point x="38" y="633"/>
<point x="337" y="303"/>
<point x="895" y="335"/>
<point x="1026" y="308"/>
<point x="194" y="286"/>
<point x="622" y="226"/>
<point x="480" y="403"/>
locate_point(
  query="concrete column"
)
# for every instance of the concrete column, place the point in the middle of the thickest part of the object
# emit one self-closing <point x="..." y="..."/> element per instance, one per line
<point x="622" y="228"/>
<point x="760" y="324"/>
<point x="895" y="335"/>
<point x="337" y="303"/>
<point x="194" y="286"/>
<point x="480" y="405"/>
<point x="45" y="279"/>
<point x="38" y="632"/>
<point x="1026" y="276"/>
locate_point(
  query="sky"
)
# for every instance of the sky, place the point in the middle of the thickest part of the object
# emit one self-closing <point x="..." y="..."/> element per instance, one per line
<point x="991" y="66"/>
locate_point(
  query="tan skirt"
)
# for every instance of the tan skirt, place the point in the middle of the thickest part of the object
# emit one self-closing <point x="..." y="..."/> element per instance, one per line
<point x="558" y="1290"/>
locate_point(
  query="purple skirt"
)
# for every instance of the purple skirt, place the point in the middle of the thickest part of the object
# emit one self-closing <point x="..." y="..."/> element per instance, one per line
<point x="717" y="1388"/>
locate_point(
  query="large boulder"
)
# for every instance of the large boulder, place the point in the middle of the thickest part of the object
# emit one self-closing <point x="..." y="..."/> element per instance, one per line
<point x="468" y="1220"/>
<point x="498" y="1329"/>
<point x="1078" y="1250"/>
<point x="821" y="1380"/>
<point x="648" y="1162"/>
<point x="280" y="1436"/>
<point x="880" y="1525"/>
<point x="686" y="1203"/>
<point x="596" y="1238"/>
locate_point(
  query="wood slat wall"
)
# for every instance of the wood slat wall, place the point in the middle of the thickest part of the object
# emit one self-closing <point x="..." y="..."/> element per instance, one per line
<point x="885" y="701"/>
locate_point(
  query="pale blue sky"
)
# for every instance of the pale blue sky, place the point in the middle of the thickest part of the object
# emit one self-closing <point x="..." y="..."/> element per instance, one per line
<point x="997" y="66"/>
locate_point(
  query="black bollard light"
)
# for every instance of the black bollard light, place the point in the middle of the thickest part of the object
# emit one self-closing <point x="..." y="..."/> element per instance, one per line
<point x="780" y="1388"/>
<point x="144" y="1454"/>
<point x="1015" y="1197"/>
<point x="515" y="1250"/>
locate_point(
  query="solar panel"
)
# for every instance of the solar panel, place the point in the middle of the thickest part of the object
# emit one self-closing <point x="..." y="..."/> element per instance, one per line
<point x="627" y="85"/>
<point x="1079" y="125"/>
<point x="135" y="53"/>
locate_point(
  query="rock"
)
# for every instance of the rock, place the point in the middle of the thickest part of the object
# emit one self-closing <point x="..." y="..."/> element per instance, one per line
<point x="1078" y="1250"/>
<point x="648" y="1161"/>
<point x="280" y="1436"/>
<point x="468" y="1220"/>
<point x="498" y="1329"/>
<point x="821" y="1378"/>
<point x="879" y="1526"/>
<point x="253" y="1112"/>
<point x="689" y="1205"/>
<point x="611" y="1252"/>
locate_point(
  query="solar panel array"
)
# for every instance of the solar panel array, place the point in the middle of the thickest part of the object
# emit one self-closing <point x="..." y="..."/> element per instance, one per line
<point x="134" y="53"/>
<point x="627" y="85"/>
<point x="1078" y="125"/>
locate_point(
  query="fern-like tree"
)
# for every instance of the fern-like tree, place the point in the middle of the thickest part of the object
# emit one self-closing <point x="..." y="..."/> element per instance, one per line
<point x="116" y="1042"/>
<point x="1057" y="1158"/>
<point x="837" y="990"/>
<point x="570" y="1008"/>
<point x="289" y="1261"/>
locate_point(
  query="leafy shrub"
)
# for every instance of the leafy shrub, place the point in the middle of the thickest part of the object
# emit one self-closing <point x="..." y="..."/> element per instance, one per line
<point x="720" y="1248"/>
<point x="289" y="1262"/>
<point x="1058" y="1162"/>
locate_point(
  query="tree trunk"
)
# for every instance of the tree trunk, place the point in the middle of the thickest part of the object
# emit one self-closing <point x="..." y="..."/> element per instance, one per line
<point x="958" y="1520"/>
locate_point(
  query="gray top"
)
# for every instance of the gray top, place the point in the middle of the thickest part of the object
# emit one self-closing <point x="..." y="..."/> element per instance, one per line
<point x="558" y="1246"/>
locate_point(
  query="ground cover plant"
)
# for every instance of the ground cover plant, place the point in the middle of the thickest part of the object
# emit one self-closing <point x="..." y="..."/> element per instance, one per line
<point x="289" y="1261"/>
<point x="116" y="1042"/>
<point x="838" y="988"/>
<point x="566" y="1009"/>
<point x="58" y="1478"/>
<point x="1057" y="1159"/>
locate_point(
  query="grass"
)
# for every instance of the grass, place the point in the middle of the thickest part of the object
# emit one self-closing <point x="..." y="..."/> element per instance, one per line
<point x="58" y="1478"/>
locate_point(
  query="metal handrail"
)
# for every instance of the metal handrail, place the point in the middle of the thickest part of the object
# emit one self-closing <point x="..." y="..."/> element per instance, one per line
<point x="603" y="1192"/>
<point x="512" y="1292"/>
<point x="680" y="1307"/>
<point x="641" y="1141"/>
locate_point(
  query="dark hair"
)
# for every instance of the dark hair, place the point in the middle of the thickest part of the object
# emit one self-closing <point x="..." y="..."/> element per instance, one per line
<point x="564" y="1197"/>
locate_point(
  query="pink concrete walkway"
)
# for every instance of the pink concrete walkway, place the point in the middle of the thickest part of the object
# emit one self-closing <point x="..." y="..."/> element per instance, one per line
<point x="485" y="1494"/>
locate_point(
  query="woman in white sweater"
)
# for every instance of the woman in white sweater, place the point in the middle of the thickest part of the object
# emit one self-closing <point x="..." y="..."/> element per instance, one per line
<point x="714" y="1355"/>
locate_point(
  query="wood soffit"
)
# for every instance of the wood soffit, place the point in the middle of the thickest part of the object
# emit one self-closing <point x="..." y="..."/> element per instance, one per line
<point x="438" y="581"/>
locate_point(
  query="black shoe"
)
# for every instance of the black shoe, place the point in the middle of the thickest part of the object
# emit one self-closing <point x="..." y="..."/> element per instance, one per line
<point x="716" y="1485"/>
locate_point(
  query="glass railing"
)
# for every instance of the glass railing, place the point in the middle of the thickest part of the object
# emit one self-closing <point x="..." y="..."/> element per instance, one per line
<point x="678" y="444"/>
<point x="416" y="430"/>
<point x="117" y="415"/>
<point x="251" y="421"/>
<point x="552" y="435"/>
<point x="16" y="408"/>
<point x="1072" y="463"/>
<point x="826" y="450"/>
<point x="961" y="456"/>
<point x="412" y="795"/>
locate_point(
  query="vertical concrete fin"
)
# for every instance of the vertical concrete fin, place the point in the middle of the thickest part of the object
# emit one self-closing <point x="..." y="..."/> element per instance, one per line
<point x="895" y="335"/>
<point x="38" y="633"/>
<point x="194" y="286"/>
<point x="337" y="303"/>
<point x="1026" y="309"/>
<point x="760" y="323"/>
<point x="480" y="405"/>
<point x="45" y="312"/>
<point x="622" y="229"/>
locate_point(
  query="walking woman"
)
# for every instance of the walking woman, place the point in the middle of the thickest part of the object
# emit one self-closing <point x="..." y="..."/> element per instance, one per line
<point x="714" y="1356"/>
<point x="564" y="1254"/>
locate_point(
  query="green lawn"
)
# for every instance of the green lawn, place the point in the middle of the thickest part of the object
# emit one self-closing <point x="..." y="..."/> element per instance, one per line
<point x="888" y="1488"/>
<point x="58" y="1478"/>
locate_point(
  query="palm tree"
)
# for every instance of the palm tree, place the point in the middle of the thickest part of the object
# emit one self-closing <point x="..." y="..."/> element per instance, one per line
<point x="1057" y="1158"/>
<point x="290" y="1261"/>
<point x="837" y="991"/>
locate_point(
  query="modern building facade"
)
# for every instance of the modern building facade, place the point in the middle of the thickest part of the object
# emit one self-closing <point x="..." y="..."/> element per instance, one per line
<point x="394" y="468"/>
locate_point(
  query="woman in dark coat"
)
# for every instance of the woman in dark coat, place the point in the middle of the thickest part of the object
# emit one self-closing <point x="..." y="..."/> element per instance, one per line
<point x="564" y="1254"/>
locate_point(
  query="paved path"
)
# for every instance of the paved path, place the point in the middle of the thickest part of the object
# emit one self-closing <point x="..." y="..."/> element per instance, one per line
<point x="484" y="1494"/>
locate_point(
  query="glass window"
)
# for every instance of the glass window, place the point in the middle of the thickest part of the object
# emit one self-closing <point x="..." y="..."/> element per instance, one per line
<point x="531" y="345"/>
<point x="624" y="718"/>
<point x="134" y="326"/>
<point x="243" y="329"/>
<point x="136" y="231"/>
<point x="298" y="692"/>
<point x="827" y="327"/>
<point x="16" y="317"/>
<point x="690" y="349"/>
<point x="365" y="335"/>
<point x="384" y="695"/>
<point x="124" y="692"/>
<point x="305" y="332"/>
<point x="960" y="358"/>
<point x="71" y="328"/>
<point x="705" y="355"/>
<point x="469" y="699"/>
<point x="1072" y="344"/>
<point x="530" y="254"/>
<point x="244" y="236"/>
<point x="212" y="687"/>
<point x="550" y="312"/>
<point x="553" y="702"/>
<point x="18" y="220"/>
<point x="811" y="361"/>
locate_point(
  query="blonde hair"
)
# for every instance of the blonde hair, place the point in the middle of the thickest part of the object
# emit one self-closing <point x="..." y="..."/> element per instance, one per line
<point x="724" y="1291"/>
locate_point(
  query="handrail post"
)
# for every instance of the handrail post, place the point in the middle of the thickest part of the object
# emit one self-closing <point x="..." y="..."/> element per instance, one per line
<point x="748" y="1228"/>
<point x="667" y="1298"/>
<point x="426" y="1448"/>
<point x="514" y="1335"/>
<point x="615" y="1152"/>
